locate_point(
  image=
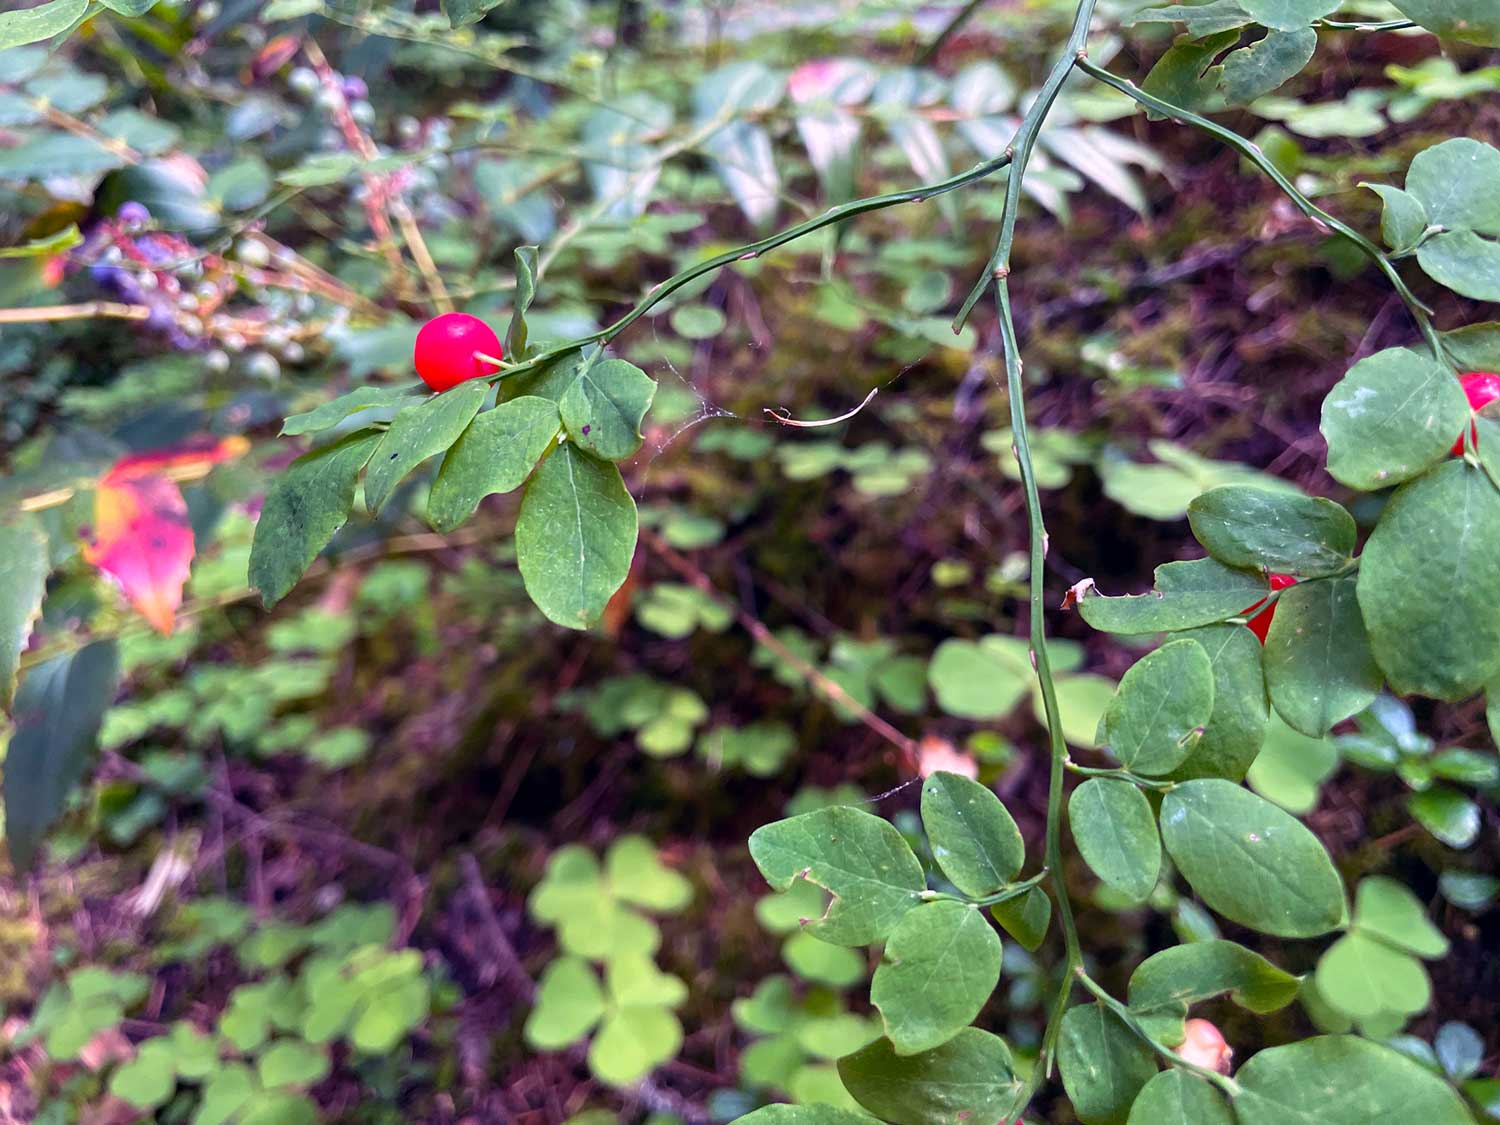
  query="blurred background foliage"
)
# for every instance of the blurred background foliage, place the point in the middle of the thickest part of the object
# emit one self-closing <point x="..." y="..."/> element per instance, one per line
<point x="402" y="850"/>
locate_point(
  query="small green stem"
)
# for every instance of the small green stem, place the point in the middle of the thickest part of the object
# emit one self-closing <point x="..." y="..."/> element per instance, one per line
<point x="1012" y="890"/>
<point x="1374" y="25"/>
<point x="1251" y="151"/>
<point x="1116" y="774"/>
<point x="1127" y="1017"/>
<point x="1021" y="145"/>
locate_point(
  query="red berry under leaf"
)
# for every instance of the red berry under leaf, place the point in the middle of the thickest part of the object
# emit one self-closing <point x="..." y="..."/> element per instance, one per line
<point x="1260" y="625"/>
<point x="1482" y="388"/>
<point x="447" y="349"/>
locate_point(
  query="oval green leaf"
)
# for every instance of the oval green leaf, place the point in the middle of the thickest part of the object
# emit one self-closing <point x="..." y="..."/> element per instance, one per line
<point x="1162" y="703"/>
<point x="974" y="840"/>
<point x="968" y="1078"/>
<point x="1250" y="861"/>
<point x="1104" y="1066"/>
<point x="1175" y="1097"/>
<point x="604" y="406"/>
<point x="420" y="432"/>
<point x="1237" y="727"/>
<point x="1116" y="835"/>
<point x="941" y="963"/>
<point x="1319" y="667"/>
<point x="495" y="454"/>
<point x="1256" y="529"/>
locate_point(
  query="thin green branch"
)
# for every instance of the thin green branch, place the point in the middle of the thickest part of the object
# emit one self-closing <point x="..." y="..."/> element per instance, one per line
<point x="832" y="217"/>
<point x="1021" y="146"/>
<point x="1252" y="152"/>
<point x="950" y="29"/>
<point x="1120" y="775"/>
<point x="1127" y="1017"/>
<point x="1370" y="25"/>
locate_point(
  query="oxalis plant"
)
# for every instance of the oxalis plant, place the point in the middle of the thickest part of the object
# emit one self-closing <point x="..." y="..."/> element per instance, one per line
<point x="1285" y="612"/>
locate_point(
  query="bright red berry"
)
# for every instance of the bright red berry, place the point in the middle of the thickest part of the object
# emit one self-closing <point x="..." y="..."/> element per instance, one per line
<point x="1261" y="625"/>
<point x="1483" y="388"/>
<point x="448" y="347"/>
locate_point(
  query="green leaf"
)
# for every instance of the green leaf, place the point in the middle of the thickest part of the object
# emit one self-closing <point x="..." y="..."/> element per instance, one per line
<point x="1116" y="834"/>
<point x="330" y="414"/>
<point x="980" y="679"/>
<point x="461" y="13"/>
<point x="225" y="1092"/>
<point x="634" y="981"/>
<point x="1386" y="909"/>
<point x="495" y="454"/>
<point x="1474" y="21"/>
<point x="1404" y="220"/>
<point x="149" y="1079"/>
<point x="1291" y="767"/>
<point x="1250" y="861"/>
<point x="1391" y="418"/>
<point x="575" y="536"/>
<point x="292" y="1062"/>
<point x="32" y="25"/>
<point x="638" y="876"/>
<point x="803" y="1115"/>
<point x="1237" y="727"/>
<point x="968" y="1078"/>
<point x="1175" y="1097"/>
<point x="1364" y="978"/>
<point x="816" y="960"/>
<point x="515" y="333"/>
<point x="697" y="322"/>
<point x="1475" y="347"/>
<point x="1207" y="18"/>
<point x="569" y="1002"/>
<point x="1464" y="262"/>
<point x="58" y="709"/>
<point x="1447" y="814"/>
<point x="1103" y="1065"/>
<point x="1458" y="184"/>
<point x="1165" y="985"/>
<point x="303" y="511"/>
<point x="860" y="859"/>
<point x="1025" y="917"/>
<point x="1319" y="667"/>
<point x="941" y="963"/>
<point x="1429" y="585"/>
<point x="130" y="9"/>
<point x="1288" y="15"/>
<point x="1267" y="64"/>
<point x="420" y="432"/>
<point x="973" y="838"/>
<point x="632" y="1042"/>
<point x="24" y="565"/>
<point x="604" y="406"/>
<point x="1187" y="594"/>
<point x="1255" y="529"/>
<point x="1161" y="704"/>
<point x="1341" y="1080"/>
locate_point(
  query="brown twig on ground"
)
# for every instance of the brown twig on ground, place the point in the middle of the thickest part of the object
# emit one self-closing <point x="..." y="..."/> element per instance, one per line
<point x="507" y="964"/>
<point x="816" y="680"/>
<point x="86" y="310"/>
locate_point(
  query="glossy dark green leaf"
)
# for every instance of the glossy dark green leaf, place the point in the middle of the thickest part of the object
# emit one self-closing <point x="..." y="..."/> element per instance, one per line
<point x="515" y="334"/>
<point x="1025" y="917"/>
<point x="575" y="536"/>
<point x="941" y="963"/>
<point x="495" y="454"/>
<point x="420" y="432"/>
<point x="23" y="580"/>
<point x="1449" y="815"/>
<point x="330" y="414"/>
<point x="973" y="839"/>
<point x="1103" y="1065"/>
<point x="604" y="406"/>
<point x="1187" y="594"/>
<point x="1162" y="703"/>
<point x="1115" y="830"/>
<point x="1237" y="728"/>
<point x="1166" y="984"/>
<point x="1250" y="861"/>
<point x="1429" y="585"/>
<point x="58" y="709"/>
<point x="1175" y="1097"/>
<point x="1342" y="1080"/>
<point x="1255" y="529"/>
<point x="1391" y="418"/>
<point x="303" y="511"/>
<point x="1319" y="667"/>
<point x="860" y="859"/>
<point x="968" y="1078"/>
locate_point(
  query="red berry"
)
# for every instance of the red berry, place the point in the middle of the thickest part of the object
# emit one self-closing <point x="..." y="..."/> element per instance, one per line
<point x="1261" y="624"/>
<point x="446" y="349"/>
<point x="1482" y="388"/>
